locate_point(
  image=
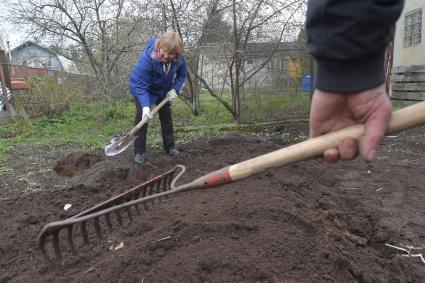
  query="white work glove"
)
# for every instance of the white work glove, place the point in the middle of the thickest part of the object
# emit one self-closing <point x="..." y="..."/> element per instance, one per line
<point x="147" y="113"/>
<point x="172" y="94"/>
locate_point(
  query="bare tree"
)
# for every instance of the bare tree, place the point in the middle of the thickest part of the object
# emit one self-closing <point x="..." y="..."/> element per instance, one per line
<point x="110" y="33"/>
<point x="104" y="31"/>
<point x="248" y="21"/>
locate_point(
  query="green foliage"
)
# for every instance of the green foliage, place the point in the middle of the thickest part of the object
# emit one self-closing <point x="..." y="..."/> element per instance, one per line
<point x="275" y="106"/>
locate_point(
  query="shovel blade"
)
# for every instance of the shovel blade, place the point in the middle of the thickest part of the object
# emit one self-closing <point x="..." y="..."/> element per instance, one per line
<point x="119" y="144"/>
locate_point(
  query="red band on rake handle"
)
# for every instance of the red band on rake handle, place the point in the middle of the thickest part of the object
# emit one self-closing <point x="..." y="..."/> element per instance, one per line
<point x="216" y="178"/>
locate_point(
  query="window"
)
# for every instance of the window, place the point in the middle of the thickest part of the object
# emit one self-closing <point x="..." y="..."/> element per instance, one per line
<point x="413" y="28"/>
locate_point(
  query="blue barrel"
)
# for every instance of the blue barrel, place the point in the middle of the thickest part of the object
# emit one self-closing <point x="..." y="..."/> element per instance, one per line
<point x="306" y="83"/>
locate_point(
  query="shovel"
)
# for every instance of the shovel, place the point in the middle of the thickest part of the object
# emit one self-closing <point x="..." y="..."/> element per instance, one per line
<point x="120" y="143"/>
<point x="146" y="194"/>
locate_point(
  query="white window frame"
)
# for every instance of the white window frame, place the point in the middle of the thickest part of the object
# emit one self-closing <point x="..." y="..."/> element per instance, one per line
<point x="413" y="28"/>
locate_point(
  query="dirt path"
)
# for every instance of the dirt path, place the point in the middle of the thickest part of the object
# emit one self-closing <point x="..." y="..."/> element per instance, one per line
<point x="307" y="222"/>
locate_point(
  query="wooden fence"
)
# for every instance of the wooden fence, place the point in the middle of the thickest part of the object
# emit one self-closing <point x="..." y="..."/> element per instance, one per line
<point x="408" y="82"/>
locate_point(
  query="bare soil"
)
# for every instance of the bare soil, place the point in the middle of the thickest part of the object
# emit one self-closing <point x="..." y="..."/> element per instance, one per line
<point x="307" y="222"/>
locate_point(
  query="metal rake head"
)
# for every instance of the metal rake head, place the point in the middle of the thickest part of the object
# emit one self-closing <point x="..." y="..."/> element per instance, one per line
<point x="107" y="213"/>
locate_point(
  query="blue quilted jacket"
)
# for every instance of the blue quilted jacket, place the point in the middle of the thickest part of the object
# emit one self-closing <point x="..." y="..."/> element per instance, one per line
<point x="149" y="83"/>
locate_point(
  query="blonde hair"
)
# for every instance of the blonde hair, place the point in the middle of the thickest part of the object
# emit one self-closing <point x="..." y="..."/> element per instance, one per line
<point x="172" y="41"/>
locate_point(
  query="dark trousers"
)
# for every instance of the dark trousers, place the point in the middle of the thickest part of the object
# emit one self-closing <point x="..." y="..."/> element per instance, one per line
<point x="166" y="128"/>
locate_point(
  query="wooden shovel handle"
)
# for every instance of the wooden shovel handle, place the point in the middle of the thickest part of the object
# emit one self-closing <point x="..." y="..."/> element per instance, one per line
<point x="145" y="120"/>
<point x="403" y="119"/>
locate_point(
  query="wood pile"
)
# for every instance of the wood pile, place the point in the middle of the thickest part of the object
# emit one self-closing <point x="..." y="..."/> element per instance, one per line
<point x="408" y="82"/>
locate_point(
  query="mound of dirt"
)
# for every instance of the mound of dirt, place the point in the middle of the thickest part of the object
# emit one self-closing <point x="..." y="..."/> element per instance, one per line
<point x="75" y="162"/>
<point x="306" y="222"/>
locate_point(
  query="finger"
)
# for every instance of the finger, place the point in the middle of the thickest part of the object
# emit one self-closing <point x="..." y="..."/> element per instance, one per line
<point x="370" y="141"/>
<point x="331" y="155"/>
<point x="347" y="148"/>
<point x="374" y="133"/>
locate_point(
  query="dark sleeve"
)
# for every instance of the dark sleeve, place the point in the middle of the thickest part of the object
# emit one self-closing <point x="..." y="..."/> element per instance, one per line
<point x="348" y="39"/>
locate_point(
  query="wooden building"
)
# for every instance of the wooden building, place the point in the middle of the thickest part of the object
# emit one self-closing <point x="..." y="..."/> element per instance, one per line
<point x="408" y="72"/>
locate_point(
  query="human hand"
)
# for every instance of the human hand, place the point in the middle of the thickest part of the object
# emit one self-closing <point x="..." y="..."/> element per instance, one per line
<point x="172" y="94"/>
<point x="147" y="113"/>
<point x="333" y="111"/>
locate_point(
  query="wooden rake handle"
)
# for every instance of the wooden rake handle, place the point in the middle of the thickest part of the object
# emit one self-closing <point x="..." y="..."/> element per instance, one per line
<point x="145" y="120"/>
<point x="403" y="119"/>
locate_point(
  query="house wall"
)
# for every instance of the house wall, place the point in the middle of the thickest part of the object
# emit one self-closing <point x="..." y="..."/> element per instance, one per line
<point x="411" y="55"/>
<point x="34" y="56"/>
<point x="280" y="72"/>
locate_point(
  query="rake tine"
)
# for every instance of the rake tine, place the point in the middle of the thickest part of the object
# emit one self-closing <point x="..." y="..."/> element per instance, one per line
<point x="117" y="213"/>
<point x="135" y="197"/>
<point x="167" y="183"/>
<point x="97" y="228"/>
<point x="71" y="239"/>
<point x="149" y="190"/>
<point x="146" y="206"/>
<point x="84" y="233"/>
<point x="130" y="216"/>
<point x="137" y="209"/>
<point x="166" y="186"/>
<point x="145" y="192"/>
<point x="108" y="221"/>
<point x="170" y="181"/>
<point x="42" y="241"/>
<point x="56" y="245"/>
<point x="159" y="187"/>
<point x="154" y="190"/>
<point x="42" y="247"/>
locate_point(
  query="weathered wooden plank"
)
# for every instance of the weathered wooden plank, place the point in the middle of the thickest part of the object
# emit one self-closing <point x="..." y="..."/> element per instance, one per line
<point x="408" y="77"/>
<point x="408" y="69"/>
<point x="409" y="87"/>
<point x="408" y="95"/>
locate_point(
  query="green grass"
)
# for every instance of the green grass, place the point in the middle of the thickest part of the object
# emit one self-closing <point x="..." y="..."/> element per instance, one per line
<point x="4" y="169"/>
<point x="87" y="126"/>
<point x="275" y="107"/>
<point x="210" y="113"/>
<point x="399" y="104"/>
